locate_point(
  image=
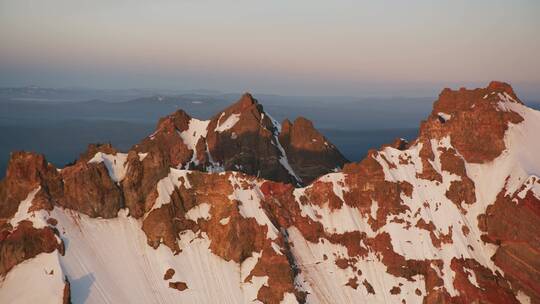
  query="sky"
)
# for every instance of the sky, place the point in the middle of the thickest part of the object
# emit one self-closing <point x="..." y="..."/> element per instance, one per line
<point x="281" y="46"/>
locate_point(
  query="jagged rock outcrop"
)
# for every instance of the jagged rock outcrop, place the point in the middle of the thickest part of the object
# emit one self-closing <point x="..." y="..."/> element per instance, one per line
<point x="26" y="171"/>
<point x="25" y="242"/>
<point x="512" y="223"/>
<point x="244" y="138"/>
<point x="472" y="120"/>
<point x="451" y="217"/>
<point x="308" y="151"/>
<point x="90" y="186"/>
<point x="241" y="138"/>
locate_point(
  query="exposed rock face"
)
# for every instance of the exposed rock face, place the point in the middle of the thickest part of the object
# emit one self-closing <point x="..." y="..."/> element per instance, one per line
<point x="513" y="223"/>
<point x="26" y="171"/>
<point x="309" y="152"/>
<point x="168" y="274"/>
<point x="241" y="138"/>
<point x="89" y="189"/>
<point x="149" y="161"/>
<point x="25" y="242"/>
<point x="67" y="292"/>
<point x="181" y="286"/>
<point x="452" y="217"/>
<point x="472" y="120"/>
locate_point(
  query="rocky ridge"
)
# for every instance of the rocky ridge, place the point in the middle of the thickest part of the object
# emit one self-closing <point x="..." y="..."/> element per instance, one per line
<point x="452" y="217"/>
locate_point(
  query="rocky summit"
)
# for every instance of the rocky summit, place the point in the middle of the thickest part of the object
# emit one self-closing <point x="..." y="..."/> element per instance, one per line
<point x="242" y="209"/>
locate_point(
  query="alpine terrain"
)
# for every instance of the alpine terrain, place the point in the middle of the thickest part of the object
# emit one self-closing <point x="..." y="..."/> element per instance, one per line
<point x="243" y="209"/>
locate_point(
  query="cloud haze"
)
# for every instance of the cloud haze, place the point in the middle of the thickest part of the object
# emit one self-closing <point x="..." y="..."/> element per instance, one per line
<point x="292" y="47"/>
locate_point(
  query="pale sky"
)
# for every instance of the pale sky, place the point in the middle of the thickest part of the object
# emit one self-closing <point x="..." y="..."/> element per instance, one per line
<point x="279" y="46"/>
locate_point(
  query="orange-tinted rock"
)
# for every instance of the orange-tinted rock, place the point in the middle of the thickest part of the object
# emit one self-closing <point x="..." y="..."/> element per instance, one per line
<point x="353" y="282"/>
<point x="142" y="178"/>
<point x="398" y="143"/>
<point x="460" y="191"/>
<point x="66" y="298"/>
<point x="427" y="156"/>
<point x="163" y="149"/>
<point x="321" y="193"/>
<point x="513" y="223"/>
<point x="168" y="274"/>
<point x="26" y="171"/>
<point x="52" y="221"/>
<point x="308" y="151"/>
<point x="490" y="288"/>
<point x="159" y="228"/>
<point x="89" y="189"/>
<point x="368" y="286"/>
<point x="280" y="276"/>
<point x="366" y="184"/>
<point x="181" y="286"/>
<point x="25" y="242"/>
<point x="475" y="126"/>
<point x="520" y="263"/>
<point x="250" y="145"/>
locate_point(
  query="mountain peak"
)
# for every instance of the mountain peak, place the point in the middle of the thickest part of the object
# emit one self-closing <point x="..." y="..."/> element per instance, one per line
<point x="414" y="223"/>
<point x="286" y="125"/>
<point x="474" y="119"/>
<point x="242" y="137"/>
<point x="246" y="102"/>
<point x="302" y="122"/>
<point x="499" y="86"/>
<point x="245" y="112"/>
<point x="179" y="120"/>
<point x="465" y="99"/>
<point x="310" y="153"/>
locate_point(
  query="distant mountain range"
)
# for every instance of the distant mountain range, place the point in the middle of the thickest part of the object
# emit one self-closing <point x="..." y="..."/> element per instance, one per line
<point x="61" y="129"/>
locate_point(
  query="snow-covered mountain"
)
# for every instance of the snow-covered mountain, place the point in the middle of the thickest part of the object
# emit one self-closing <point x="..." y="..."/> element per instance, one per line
<point x="215" y="212"/>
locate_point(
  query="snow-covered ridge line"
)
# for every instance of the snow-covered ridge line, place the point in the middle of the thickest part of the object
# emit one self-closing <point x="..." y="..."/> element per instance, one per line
<point x="407" y="224"/>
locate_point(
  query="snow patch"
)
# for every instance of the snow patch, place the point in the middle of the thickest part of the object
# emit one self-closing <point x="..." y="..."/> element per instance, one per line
<point x="505" y="97"/>
<point x="276" y="248"/>
<point x="201" y="211"/>
<point x="276" y="124"/>
<point x="283" y="159"/>
<point x="225" y="221"/>
<point x="338" y="183"/>
<point x="250" y="205"/>
<point x="289" y="298"/>
<point x="37" y="280"/>
<point x="116" y="164"/>
<point x="523" y="298"/>
<point x="344" y="219"/>
<point x="374" y="209"/>
<point x="197" y="129"/>
<point x="444" y="116"/>
<point x="166" y="186"/>
<point x="472" y="277"/>
<point x="326" y="282"/>
<point x="142" y="156"/>
<point x="248" y="264"/>
<point x="127" y="270"/>
<point x="38" y="218"/>
<point x="228" y="123"/>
